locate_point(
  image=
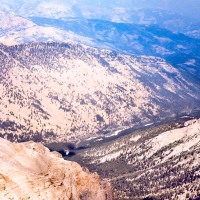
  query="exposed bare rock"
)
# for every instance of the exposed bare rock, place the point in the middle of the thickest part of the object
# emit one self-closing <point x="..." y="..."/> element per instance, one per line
<point x="190" y="122"/>
<point x="30" y="171"/>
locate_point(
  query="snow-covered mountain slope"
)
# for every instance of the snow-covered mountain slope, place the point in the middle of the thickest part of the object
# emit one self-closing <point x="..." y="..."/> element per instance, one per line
<point x="152" y="16"/>
<point x="48" y="8"/>
<point x="65" y="92"/>
<point x="136" y="39"/>
<point x="9" y="22"/>
<point x="115" y="11"/>
<point x="30" y="171"/>
<point x="17" y="30"/>
<point x="162" y="18"/>
<point x="156" y="163"/>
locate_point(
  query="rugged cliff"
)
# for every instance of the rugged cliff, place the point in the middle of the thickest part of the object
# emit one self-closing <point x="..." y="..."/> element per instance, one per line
<point x="30" y="171"/>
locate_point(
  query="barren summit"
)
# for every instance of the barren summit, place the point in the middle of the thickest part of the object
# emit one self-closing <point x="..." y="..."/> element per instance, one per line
<point x="67" y="92"/>
<point x="30" y="171"/>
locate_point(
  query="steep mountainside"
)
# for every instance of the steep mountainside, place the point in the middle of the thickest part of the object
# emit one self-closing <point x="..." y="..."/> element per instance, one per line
<point x="153" y="164"/>
<point x="138" y="38"/>
<point x="61" y="92"/>
<point x="30" y="171"/>
<point x="10" y="22"/>
<point x="115" y="11"/>
<point x="17" y="30"/>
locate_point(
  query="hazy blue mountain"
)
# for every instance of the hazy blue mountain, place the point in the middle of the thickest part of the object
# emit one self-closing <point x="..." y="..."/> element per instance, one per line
<point x="177" y="49"/>
<point x="145" y="12"/>
<point x="141" y="32"/>
<point x="164" y="14"/>
<point x="189" y="8"/>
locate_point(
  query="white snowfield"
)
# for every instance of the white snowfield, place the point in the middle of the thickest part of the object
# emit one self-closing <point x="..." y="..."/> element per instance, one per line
<point x="17" y="30"/>
<point x="149" y="158"/>
<point x="188" y="138"/>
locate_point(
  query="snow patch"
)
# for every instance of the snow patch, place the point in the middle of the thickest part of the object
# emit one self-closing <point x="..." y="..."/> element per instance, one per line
<point x="110" y="156"/>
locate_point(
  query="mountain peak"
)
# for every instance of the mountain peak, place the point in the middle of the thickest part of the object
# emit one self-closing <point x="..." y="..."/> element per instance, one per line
<point x="31" y="171"/>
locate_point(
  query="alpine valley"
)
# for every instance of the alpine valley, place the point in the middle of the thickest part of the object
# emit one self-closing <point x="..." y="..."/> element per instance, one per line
<point x="111" y="86"/>
<point x="67" y="92"/>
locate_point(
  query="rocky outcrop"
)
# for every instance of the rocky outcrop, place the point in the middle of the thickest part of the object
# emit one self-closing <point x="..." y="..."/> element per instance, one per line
<point x="30" y="171"/>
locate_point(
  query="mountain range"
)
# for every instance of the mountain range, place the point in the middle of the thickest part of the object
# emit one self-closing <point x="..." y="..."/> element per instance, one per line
<point x="112" y="85"/>
<point x="151" y="38"/>
<point x="66" y="91"/>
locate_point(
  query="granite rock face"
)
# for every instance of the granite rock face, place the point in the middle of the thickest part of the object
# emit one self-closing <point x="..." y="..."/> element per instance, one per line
<point x="30" y="171"/>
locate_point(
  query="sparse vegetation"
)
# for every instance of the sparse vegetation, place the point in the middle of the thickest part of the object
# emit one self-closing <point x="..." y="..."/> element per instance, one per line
<point x="56" y="88"/>
<point x="139" y="172"/>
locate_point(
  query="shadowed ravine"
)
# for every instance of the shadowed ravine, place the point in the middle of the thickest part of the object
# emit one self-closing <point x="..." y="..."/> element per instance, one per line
<point x="73" y="148"/>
